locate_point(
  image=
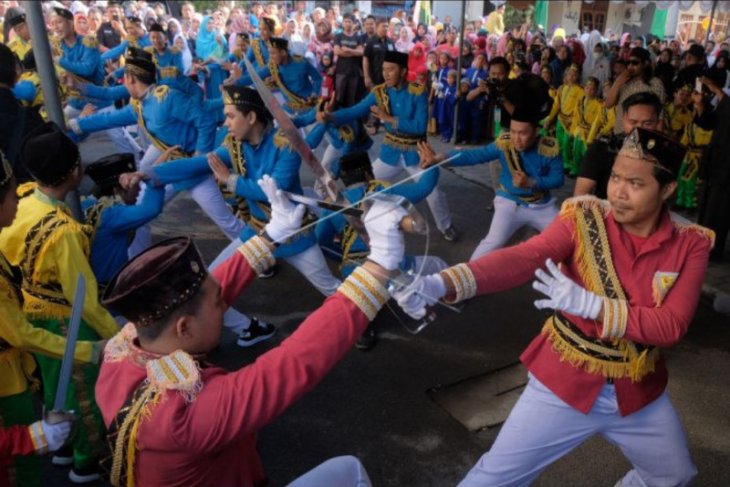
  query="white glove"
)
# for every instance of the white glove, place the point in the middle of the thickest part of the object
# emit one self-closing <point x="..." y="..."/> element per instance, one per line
<point x="286" y="217"/>
<point x="564" y="294"/>
<point x="56" y="434"/>
<point x="423" y="291"/>
<point x="382" y="223"/>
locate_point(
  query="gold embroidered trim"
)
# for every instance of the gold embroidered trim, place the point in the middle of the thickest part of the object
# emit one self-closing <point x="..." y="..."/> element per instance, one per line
<point x="294" y="101"/>
<point x="258" y="255"/>
<point x="465" y="284"/>
<point x="365" y="291"/>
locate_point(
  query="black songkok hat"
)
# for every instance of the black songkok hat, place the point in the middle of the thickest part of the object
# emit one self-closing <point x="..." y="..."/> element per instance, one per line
<point x="105" y="172"/>
<point x="16" y="20"/>
<point x="532" y="98"/>
<point x="355" y="167"/>
<point x="243" y="96"/>
<point x="399" y="58"/>
<point x="656" y="148"/>
<point x="244" y="35"/>
<point x="49" y="155"/>
<point x="63" y="12"/>
<point x="279" y="43"/>
<point x="134" y="19"/>
<point x="156" y="282"/>
<point x="140" y="64"/>
<point x="156" y="28"/>
<point x="6" y="170"/>
<point x="138" y="52"/>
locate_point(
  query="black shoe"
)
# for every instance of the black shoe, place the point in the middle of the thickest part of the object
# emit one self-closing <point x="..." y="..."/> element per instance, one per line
<point x="368" y="339"/>
<point x="84" y="475"/>
<point x="257" y="332"/>
<point x="63" y="457"/>
<point x="450" y="234"/>
<point x="268" y="273"/>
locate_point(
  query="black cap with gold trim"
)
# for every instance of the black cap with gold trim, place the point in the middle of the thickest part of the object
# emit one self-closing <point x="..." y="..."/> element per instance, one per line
<point x="279" y="43"/>
<point x="156" y="28"/>
<point x="16" y="20"/>
<point x="656" y="148"/>
<point x="140" y="63"/>
<point x="63" y="12"/>
<point x="395" y="57"/>
<point x="157" y="282"/>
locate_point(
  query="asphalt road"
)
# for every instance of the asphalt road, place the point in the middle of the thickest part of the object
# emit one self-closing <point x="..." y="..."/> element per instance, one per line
<point x="375" y="404"/>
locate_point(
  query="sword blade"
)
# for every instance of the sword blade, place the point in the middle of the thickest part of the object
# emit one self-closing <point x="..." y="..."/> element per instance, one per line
<point x="64" y="376"/>
<point x="292" y="133"/>
<point x="325" y="205"/>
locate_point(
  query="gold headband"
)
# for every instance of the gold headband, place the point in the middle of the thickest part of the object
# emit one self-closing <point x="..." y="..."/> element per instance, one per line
<point x="632" y="148"/>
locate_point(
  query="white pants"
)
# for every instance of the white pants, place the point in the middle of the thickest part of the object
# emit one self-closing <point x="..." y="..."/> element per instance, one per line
<point x="541" y="429"/>
<point x="345" y="471"/>
<point x="436" y="200"/>
<point x="206" y="194"/>
<point x="509" y="217"/>
<point x="310" y="263"/>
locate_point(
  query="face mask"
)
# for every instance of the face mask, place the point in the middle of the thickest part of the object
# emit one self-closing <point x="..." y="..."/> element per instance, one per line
<point x="598" y="54"/>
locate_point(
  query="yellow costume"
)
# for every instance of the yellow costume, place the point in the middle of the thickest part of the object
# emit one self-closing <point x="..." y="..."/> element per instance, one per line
<point x="676" y="118"/>
<point x="695" y="139"/>
<point x="19" y="46"/>
<point x="567" y="100"/>
<point x="51" y="248"/>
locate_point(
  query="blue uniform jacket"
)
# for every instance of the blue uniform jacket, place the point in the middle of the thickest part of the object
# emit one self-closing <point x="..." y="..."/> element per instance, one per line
<point x="264" y="53"/>
<point x="348" y="138"/>
<point x="297" y="75"/>
<point x="115" y="52"/>
<point x="113" y="228"/>
<point x="272" y="156"/>
<point x="327" y="229"/>
<point x="542" y="163"/>
<point x="409" y="104"/>
<point x="169" y="115"/>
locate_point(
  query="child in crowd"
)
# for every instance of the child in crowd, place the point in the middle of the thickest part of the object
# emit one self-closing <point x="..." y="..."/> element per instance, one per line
<point x="327" y="70"/>
<point x="570" y="93"/>
<point x="696" y="136"/>
<point x="587" y="112"/>
<point x="678" y="114"/>
<point x="446" y="107"/>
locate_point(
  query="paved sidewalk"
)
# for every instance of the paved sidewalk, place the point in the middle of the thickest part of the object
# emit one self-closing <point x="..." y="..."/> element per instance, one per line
<point x="717" y="280"/>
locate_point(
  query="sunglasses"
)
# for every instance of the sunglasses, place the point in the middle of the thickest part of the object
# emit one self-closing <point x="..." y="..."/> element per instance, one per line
<point x="634" y="62"/>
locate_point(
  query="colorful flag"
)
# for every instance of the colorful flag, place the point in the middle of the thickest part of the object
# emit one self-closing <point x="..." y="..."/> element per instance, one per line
<point x="422" y="12"/>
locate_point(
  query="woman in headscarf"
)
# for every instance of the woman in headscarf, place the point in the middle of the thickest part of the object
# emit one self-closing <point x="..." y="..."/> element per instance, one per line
<point x="236" y="28"/>
<point x="307" y="32"/>
<point x="719" y="70"/>
<point x="322" y="41"/>
<point x="467" y="56"/>
<point x="664" y="69"/>
<point x="560" y="64"/>
<point x="291" y="30"/>
<point x="596" y="64"/>
<point x="174" y="28"/>
<point x="187" y="57"/>
<point x="421" y="32"/>
<point x="404" y="43"/>
<point x="211" y="48"/>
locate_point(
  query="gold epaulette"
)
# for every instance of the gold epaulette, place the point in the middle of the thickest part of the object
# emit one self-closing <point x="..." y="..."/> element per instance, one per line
<point x="548" y="147"/>
<point x="92" y="214"/>
<point x="174" y="50"/>
<point x="149" y="49"/>
<point x="175" y="372"/>
<point x="503" y="141"/>
<point x="90" y="41"/>
<point x="377" y="89"/>
<point x="26" y="189"/>
<point x="161" y="92"/>
<point x="416" y="89"/>
<point x="688" y="227"/>
<point x="347" y="134"/>
<point x="280" y="140"/>
<point x="567" y="209"/>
